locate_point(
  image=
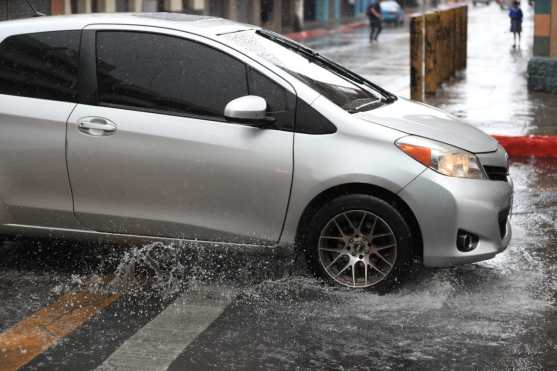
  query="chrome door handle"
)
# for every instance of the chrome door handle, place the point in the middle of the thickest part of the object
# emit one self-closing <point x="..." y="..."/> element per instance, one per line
<point x="96" y="126"/>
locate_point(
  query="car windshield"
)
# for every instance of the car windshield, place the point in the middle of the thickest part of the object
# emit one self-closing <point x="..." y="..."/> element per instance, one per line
<point x="341" y="86"/>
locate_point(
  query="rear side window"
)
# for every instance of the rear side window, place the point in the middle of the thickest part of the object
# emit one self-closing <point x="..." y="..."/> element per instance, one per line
<point x="41" y="65"/>
<point x="166" y="74"/>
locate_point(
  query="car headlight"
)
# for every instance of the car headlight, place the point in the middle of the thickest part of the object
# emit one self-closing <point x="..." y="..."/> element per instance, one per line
<point x="441" y="157"/>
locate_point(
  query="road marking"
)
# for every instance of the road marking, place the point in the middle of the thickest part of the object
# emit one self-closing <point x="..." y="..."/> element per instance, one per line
<point x="33" y="335"/>
<point x="162" y="340"/>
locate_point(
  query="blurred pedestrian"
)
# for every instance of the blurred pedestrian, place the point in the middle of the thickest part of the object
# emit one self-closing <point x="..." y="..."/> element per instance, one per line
<point x="515" y="14"/>
<point x="375" y="19"/>
<point x="352" y="7"/>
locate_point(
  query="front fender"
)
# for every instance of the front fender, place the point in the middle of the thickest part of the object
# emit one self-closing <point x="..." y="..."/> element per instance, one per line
<point x="318" y="168"/>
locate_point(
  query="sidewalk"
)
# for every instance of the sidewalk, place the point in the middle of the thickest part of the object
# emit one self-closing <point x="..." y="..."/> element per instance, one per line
<point x="492" y="92"/>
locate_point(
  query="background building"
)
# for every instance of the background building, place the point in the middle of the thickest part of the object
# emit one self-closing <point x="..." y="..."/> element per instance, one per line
<point x="279" y="15"/>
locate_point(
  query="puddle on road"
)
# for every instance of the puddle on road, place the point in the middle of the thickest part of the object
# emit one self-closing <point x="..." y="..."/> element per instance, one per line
<point x="166" y="269"/>
<point x="496" y="315"/>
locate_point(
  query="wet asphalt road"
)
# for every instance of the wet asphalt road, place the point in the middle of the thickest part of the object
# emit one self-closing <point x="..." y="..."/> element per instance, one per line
<point x="498" y="314"/>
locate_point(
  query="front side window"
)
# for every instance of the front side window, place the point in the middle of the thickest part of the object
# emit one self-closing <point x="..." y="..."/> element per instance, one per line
<point x="156" y="72"/>
<point x="41" y="65"/>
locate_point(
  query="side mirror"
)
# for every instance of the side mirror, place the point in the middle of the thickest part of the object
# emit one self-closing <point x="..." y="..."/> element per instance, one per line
<point x="250" y="109"/>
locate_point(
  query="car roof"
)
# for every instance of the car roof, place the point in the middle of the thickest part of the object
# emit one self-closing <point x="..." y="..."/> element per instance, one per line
<point x="197" y="24"/>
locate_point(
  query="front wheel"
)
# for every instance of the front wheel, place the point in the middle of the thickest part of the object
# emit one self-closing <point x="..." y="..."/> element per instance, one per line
<point x="359" y="241"/>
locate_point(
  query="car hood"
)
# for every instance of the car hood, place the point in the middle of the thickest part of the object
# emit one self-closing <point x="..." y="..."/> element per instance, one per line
<point x="429" y="122"/>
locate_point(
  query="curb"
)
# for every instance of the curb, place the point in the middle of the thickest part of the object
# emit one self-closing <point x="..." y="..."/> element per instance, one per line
<point x="318" y="32"/>
<point x="529" y="146"/>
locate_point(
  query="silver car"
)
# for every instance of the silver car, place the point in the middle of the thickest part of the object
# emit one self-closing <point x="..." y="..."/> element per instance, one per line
<point x="171" y="126"/>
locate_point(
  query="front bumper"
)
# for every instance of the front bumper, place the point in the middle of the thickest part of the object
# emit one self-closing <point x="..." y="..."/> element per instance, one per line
<point x="443" y="205"/>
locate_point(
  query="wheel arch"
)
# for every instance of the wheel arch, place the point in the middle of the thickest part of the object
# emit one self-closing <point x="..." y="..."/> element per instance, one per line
<point x="368" y="189"/>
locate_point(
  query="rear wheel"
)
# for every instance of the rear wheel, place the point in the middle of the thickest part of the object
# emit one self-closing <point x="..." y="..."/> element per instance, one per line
<point x="359" y="241"/>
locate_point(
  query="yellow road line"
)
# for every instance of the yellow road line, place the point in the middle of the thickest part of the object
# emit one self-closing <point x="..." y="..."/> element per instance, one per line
<point x="38" y="332"/>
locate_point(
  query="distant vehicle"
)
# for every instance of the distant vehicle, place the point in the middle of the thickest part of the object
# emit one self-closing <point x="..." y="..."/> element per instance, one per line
<point x="159" y="126"/>
<point x="486" y="2"/>
<point x="392" y="12"/>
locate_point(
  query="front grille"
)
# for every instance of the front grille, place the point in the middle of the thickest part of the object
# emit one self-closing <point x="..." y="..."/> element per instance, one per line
<point x="496" y="172"/>
<point x="503" y="216"/>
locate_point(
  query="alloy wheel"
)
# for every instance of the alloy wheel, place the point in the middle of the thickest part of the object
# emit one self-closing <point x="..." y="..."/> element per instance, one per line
<point x="357" y="248"/>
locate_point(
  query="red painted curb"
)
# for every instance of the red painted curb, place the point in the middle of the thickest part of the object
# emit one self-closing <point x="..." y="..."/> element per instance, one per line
<point x="318" y="32"/>
<point x="529" y="146"/>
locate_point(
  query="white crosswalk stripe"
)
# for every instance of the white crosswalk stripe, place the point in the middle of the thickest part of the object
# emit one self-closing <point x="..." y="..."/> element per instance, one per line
<point x="159" y="342"/>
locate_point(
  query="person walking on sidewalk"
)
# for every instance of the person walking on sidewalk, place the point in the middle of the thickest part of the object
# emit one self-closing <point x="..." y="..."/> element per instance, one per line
<point x="515" y="14"/>
<point x="374" y="14"/>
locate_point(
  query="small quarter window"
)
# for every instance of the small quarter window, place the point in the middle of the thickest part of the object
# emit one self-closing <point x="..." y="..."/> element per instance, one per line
<point x="41" y="65"/>
<point x="281" y="103"/>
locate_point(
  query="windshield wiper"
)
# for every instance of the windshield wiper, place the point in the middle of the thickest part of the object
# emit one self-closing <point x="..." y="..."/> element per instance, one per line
<point x="388" y="97"/>
<point x="335" y="67"/>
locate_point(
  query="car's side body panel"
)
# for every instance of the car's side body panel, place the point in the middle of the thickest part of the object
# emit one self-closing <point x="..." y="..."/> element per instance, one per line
<point x="171" y="176"/>
<point x="34" y="186"/>
<point x="360" y="152"/>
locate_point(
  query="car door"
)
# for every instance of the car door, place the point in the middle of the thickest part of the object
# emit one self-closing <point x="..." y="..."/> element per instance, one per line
<point x="38" y="91"/>
<point x="153" y="154"/>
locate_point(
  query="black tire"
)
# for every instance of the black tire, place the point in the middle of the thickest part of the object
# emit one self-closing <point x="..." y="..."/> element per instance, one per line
<point x="310" y="238"/>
